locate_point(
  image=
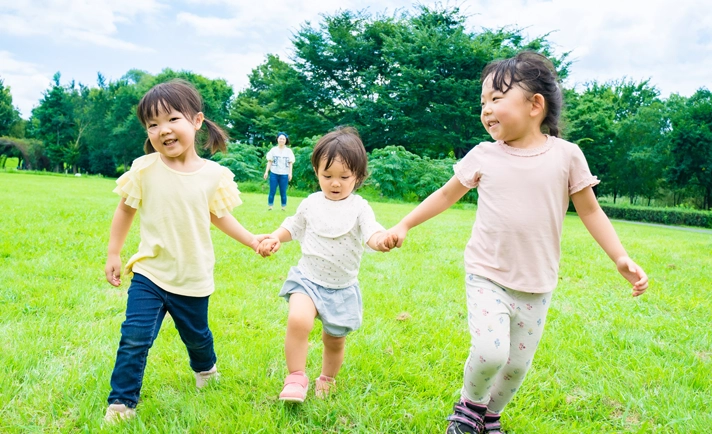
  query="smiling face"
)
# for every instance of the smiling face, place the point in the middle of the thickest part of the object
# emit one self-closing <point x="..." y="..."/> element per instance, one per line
<point x="506" y="116"/>
<point x="281" y="141"/>
<point x="172" y="134"/>
<point x="337" y="181"/>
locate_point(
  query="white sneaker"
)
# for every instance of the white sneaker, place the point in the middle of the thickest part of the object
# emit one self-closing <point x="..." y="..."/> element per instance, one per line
<point x="202" y="378"/>
<point x="117" y="412"/>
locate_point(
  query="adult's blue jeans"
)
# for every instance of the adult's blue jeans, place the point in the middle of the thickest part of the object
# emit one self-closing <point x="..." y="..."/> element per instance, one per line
<point x="274" y="181"/>
<point x="145" y="309"/>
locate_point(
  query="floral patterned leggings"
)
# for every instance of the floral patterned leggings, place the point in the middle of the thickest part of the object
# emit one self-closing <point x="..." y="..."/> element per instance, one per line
<point x="505" y="326"/>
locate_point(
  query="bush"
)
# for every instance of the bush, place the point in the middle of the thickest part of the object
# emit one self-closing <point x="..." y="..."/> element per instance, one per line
<point x="244" y="160"/>
<point x="666" y="216"/>
<point x="400" y="174"/>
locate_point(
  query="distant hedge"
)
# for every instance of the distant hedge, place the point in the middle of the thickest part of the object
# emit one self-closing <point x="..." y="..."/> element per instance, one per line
<point x="665" y="216"/>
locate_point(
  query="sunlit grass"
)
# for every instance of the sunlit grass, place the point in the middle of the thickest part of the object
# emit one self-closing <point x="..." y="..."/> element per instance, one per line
<point x="607" y="362"/>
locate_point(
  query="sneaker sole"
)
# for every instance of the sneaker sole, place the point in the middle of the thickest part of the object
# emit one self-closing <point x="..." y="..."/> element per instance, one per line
<point x="291" y="399"/>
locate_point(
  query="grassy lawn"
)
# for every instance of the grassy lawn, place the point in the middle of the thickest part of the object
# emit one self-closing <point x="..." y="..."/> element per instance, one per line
<point x="608" y="363"/>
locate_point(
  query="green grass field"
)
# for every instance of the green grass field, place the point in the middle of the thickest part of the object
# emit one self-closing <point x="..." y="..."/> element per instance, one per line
<point x="608" y="363"/>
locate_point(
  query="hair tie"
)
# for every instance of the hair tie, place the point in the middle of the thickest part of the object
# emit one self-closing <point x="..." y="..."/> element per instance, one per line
<point x="282" y="133"/>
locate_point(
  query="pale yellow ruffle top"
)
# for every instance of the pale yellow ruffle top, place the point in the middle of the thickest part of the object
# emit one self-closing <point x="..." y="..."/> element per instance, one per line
<point x="176" y="251"/>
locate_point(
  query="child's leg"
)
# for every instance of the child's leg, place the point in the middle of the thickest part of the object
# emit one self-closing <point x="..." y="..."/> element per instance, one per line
<point x="489" y="323"/>
<point x="145" y="310"/>
<point x="528" y="318"/>
<point x="190" y="315"/>
<point x="333" y="354"/>
<point x="299" y="324"/>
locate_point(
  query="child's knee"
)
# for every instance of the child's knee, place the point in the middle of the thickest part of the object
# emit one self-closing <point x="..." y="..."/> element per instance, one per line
<point x="296" y="321"/>
<point x="488" y="360"/>
<point x="333" y="343"/>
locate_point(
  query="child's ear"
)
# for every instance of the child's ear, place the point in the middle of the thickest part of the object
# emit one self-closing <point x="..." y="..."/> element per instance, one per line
<point x="198" y="121"/>
<point x="538" y="105"/>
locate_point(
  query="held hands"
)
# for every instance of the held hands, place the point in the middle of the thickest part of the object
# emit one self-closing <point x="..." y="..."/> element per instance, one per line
<point x="386" y="241"/>
<point x="399" y="231"/>
<point x="113" y="270"/>
<point x="633" y="273"/>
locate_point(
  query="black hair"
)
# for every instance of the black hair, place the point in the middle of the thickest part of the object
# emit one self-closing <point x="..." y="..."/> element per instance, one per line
<point x="286" y="136"/>
<point x="534" y="73"/>
<point x="344" y="143"/>
<point x="181" y="96"/>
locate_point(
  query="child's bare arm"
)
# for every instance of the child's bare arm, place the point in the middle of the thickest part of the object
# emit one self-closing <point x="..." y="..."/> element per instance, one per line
<point x="229" y="225"/>
<point x="439" y="201"/>
<point x="600" y="227"/>
<point x="120" y="226"/>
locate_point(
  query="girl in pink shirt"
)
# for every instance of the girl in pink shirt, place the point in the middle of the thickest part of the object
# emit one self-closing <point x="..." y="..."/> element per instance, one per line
<point x="524" y="180"/>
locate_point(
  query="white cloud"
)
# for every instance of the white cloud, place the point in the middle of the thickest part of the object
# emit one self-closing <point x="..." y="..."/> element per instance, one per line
<point x="65" y="19"/>
<point x="668" y="41"/>
<point x="612" y="39"/>
<point x="26" y="82"/>
<point x="212" y="26"/>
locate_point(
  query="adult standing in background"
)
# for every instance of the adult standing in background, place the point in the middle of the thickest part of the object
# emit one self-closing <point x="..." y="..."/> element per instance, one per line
<point x="279" y="169"/>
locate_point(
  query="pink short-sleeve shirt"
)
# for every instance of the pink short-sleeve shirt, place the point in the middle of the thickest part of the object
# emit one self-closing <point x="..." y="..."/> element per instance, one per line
<point x="523" y="195"/>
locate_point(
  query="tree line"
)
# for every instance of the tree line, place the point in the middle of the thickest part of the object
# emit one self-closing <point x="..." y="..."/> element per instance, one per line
<point x="409" y="81"/>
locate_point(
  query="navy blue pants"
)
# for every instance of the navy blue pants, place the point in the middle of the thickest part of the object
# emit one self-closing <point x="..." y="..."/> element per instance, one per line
<point x="145" y="309"/>
<point x="274" y="181"/>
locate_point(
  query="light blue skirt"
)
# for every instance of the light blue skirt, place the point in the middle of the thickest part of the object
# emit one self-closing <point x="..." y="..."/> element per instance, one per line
<point x="340" y="310"/>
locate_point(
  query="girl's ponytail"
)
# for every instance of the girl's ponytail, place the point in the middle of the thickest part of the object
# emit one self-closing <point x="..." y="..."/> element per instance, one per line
<point x="217" y="138"/>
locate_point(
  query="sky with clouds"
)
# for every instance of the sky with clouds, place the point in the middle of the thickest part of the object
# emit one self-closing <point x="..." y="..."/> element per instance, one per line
<point x="666" y="41"/>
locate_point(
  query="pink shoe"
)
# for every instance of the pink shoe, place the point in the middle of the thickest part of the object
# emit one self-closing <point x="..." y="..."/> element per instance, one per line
<point x="295" y="387"/>
<point x="324" y="386"/>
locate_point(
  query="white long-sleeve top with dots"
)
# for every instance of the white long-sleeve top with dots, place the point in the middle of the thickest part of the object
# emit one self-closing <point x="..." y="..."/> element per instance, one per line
<point x="332" y="235"/>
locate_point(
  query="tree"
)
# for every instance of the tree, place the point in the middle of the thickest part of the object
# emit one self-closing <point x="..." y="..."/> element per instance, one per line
<point x="409" y="80"/>
<point x="9" y="115"/>
<point x="52" y="122"/>
<point x="593" y="120"/>
<point x="691" y="144"/>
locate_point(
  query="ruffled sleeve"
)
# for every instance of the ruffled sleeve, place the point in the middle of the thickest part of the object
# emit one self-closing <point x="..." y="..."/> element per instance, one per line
<point x="580" y="175"/>
<point x="129" y="184"/>
<point x="468" y="170"/>
<point x="227" y="196"/>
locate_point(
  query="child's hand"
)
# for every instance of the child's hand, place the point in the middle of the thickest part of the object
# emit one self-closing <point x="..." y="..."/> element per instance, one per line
<point x="634" y="274"/>
<point x="113" y="270"/>
<point x="268" y="245"/>
<point x="387" y="241"/>
<point x="399" y="231"/>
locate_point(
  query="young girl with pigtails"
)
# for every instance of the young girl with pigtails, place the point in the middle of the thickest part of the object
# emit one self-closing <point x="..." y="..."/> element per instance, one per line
<point x="525" y="179"/>
<point x="177" y="195"/>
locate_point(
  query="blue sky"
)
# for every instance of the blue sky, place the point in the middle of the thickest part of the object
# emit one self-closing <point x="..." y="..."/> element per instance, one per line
<point x="666" y="41"/>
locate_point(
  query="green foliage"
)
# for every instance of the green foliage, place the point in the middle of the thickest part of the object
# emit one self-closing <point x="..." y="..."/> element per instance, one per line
<point x="303" y="176"/>
<point x="9" y="115"/>
<point x="400" y="174"/>
<point x="243" y="160"/>
<point x="691" y="143"/>
<point x="665" y="216"/>
<point x="409" y="80"/>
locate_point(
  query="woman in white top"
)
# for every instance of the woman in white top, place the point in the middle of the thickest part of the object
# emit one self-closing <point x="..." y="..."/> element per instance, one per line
<point x="279" y="169"/>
